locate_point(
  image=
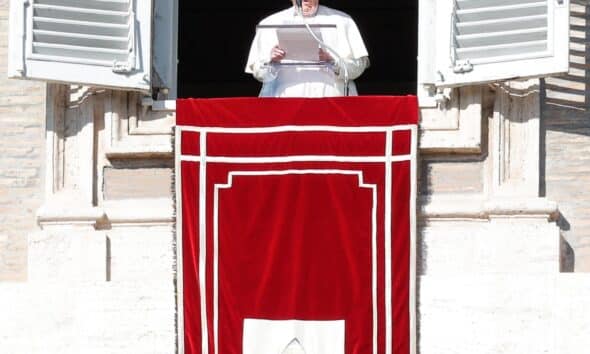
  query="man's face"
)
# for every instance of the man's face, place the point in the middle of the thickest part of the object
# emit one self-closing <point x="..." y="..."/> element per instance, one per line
<point x="309" y="6"/>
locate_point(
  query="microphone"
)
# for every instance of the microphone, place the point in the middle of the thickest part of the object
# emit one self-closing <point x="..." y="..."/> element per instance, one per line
<point x="298" y="4"/>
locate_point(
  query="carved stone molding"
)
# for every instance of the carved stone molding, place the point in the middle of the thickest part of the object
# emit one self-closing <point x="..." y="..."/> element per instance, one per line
<point x="515" y="140"/>
<point x="71" y="157"/>
<point x="84" y="125"/>
<point x="144" y="212"/>
<point x="478" y="207"/>
<point x="136" y="129"/>
<point x="511" y="172"/>
<point x="456" y="126"/>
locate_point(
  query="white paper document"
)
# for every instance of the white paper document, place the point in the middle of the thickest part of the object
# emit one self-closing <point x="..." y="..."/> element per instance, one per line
<point x="299" y="45"/>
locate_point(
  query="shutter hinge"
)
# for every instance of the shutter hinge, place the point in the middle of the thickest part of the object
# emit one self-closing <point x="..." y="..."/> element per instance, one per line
<point x="462" y="66"/>
<point x="442" y="96"/>
<point x="122" y="67"/>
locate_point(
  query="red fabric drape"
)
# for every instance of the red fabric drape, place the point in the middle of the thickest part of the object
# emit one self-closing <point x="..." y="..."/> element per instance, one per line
<point x="291" y="223"/>
<point x="262" y="112"/>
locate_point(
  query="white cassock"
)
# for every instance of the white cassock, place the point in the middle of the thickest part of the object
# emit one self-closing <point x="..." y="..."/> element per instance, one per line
<point x="299" y="81"/>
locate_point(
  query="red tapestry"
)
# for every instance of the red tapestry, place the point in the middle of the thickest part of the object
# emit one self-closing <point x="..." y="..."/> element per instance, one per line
<point x="297" y="223"/>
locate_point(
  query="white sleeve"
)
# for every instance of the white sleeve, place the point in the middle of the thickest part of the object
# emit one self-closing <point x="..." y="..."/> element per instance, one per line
<point x="355" y="40"/>
<point x="259" y="57"/>
<point x="357" y="58"/>
<point x="355" y="67"/>
<point x="263" y="71"/>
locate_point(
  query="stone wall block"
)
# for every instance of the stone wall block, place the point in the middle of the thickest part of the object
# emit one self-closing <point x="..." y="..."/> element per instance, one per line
<point x="481" y="247"/>
<point x="88" y="317"/>
<point x="67" y="256"/>
<point x="508" y="314"/>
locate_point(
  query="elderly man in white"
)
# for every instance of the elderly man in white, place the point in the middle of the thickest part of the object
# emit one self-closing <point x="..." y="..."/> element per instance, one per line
<point x="310" y="81"/>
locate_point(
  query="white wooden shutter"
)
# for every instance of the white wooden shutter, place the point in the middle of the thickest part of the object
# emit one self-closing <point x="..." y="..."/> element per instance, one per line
<point x="480" y="41"/>
<point x="93" y="42"/>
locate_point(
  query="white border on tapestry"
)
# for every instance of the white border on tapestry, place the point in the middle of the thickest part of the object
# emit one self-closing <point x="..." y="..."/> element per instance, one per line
<point x="228" y="185"/>
<point x="298" y="128"/>
<point x="388" y="245"/>
<point x="203" y="239"/>
<point x="389" y="158"/>
<point x="299" y="158"/>
<point x="179" y="245"/>
<point x="413" y="231"/>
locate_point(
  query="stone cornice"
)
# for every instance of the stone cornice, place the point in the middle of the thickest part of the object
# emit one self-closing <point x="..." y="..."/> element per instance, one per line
<point x="453" y="207"/>
<point x="130" y="212"/>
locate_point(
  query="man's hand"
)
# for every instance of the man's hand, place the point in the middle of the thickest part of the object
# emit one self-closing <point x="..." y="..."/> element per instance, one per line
<point x="325" y="56"/>
<point x="277" y="54"/>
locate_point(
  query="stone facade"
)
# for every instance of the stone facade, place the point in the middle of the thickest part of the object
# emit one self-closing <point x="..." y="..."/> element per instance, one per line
<point x="101" y="268"/>
<point x="22" y="123"/>
<point x="502" y="209"/>
<point x="566" y="144"/>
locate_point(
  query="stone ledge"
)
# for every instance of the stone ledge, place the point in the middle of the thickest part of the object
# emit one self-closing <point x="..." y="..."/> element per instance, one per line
<point x="134" y="151"/>
<point x="51" y="215"/>
<point x="138" y="212"/>
<point x="475" y="206"/>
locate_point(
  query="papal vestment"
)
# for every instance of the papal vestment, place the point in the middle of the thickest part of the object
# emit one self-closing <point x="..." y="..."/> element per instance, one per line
<point x="309" y="81"/>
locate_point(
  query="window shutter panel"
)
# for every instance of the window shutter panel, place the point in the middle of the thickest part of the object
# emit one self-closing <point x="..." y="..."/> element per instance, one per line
<point x="92" y="42"/>
<point x="491" y="40"/>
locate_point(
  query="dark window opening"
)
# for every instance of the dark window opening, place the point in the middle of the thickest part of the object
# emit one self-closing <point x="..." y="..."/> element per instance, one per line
<point x="215" y="37"/>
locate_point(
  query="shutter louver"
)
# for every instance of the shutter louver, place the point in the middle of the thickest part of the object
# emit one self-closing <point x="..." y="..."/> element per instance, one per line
<point x="485" y="30"/>
<point x="98" y="42"/>
<point x="494" y="40"/>
<point x="84" y="31"/>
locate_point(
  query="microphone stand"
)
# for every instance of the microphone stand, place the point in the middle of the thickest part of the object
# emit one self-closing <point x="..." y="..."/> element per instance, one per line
<point x="323" y="45"/>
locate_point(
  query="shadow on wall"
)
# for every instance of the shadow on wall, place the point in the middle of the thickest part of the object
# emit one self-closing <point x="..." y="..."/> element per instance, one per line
<point x="565" y="138"/>
<point x="567" y="257"/>
<point x="570" y="91"/>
